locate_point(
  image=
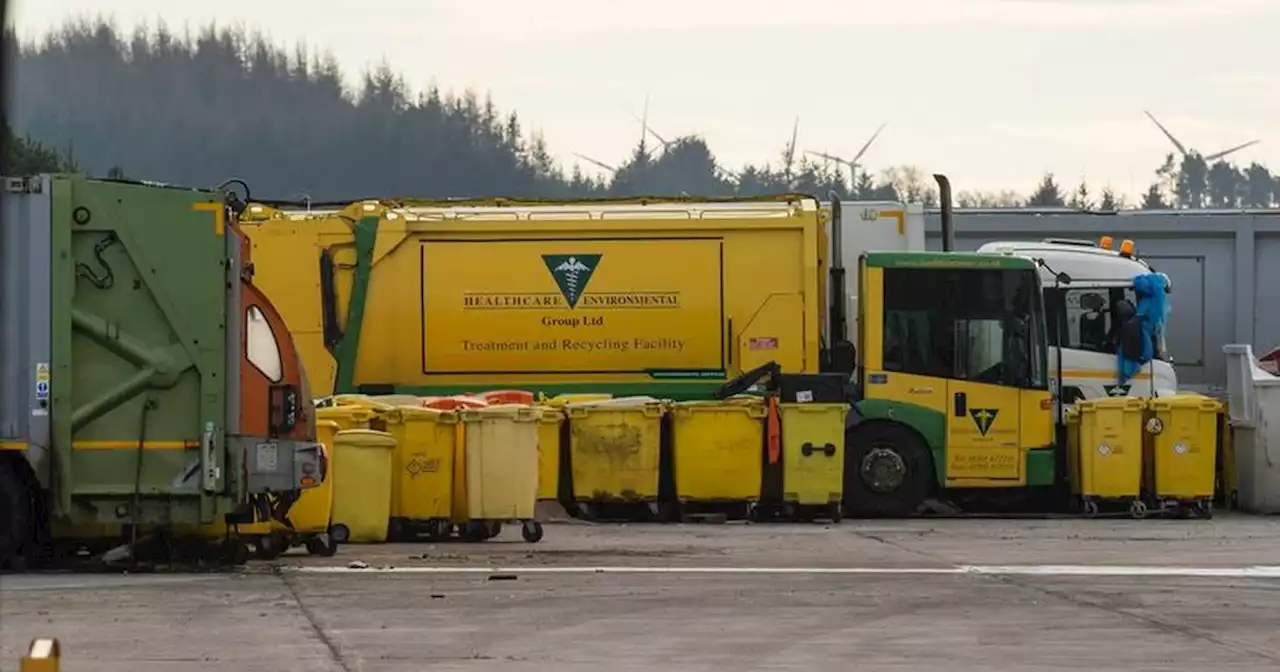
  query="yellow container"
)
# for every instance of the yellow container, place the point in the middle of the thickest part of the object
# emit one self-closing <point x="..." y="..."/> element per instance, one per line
<point x="615" y="450"/>
<point x="397" y="400"/>
<point x="362" y="494"/>
<point x="562" y="400"/>
<point x="502" y="462"/>
<point x="1184" y="449"/>
<point x="718" y="448"/>
<point x="549" y="424"/>
<point x="422" y="480"/>
<point x="1108" y="456"/>
<point x="347" y="417"/>
<point x="812" y="453"/>
<point x="311" y="513"/>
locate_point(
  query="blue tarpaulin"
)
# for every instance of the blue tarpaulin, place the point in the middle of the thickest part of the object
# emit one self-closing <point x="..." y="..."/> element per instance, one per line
<point x="1152" y="309"/>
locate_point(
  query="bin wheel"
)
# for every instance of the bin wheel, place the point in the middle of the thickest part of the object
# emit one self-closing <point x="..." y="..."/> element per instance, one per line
<point x="341" y="533"/>
<point x="1090" y="508"/>
<point x="322" y="545"/>
<point x="271" y="546"/>
<point x="835" y="512"/>
<point x="531" y="530"/>
<point x="1137" y="509"/>
<point x="888" y="470"/>
<point x="492" y="529"/>
<point x="1204" y="509"/>
<point x="397" y="530"/>
<point x="438" y="530"/>
<point x="474" y="531"/>
<point x="234" y="551"/>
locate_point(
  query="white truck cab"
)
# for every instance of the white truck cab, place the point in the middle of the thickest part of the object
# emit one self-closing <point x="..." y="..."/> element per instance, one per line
<point x="1082" y="315"/>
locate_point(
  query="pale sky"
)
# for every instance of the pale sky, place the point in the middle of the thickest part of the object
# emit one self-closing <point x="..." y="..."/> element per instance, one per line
<point x="991" y="92"/>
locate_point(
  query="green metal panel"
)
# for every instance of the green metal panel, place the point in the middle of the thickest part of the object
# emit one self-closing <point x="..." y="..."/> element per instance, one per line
<point x="348" y="350"/>
<point x="677" y="391"/>
<point x="946" y="260"/>
<point x="139" y="294"/>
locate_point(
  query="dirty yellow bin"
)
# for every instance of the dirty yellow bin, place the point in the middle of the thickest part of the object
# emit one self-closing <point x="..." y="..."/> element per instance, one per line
<point x="549" y="424"/>
<point x="1108" y="457"/>
<point x="562" y="400"/>
<point x="1183" y="435"/>
<point x="362" y="492"/>
<point x="501" y="471"/>
<point x="311" y="513"/>
<point x="422" y="480"/>
<point x="813" y="453"/>
<point x="718" y="449"/>
<point x="615" y="449"/>
<point x="347" y="417"/>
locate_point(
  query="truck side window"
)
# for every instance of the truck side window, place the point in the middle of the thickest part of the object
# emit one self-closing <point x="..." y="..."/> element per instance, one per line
<point x="260" y="344"/>
<point x="919" y="335"/>
<point x="1086" y="318"/>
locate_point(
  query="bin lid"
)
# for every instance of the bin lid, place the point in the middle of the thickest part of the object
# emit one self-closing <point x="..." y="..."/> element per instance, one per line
<point x="328" y="424"/>
<point x="365" y="438"/>
<point x="620" y="401"/>
<point x="1112" y="403"/>
<point x="517" y="412"/>
<point x="562" y="399"/>
<point x="348" y="413"/>
<point x="731" y="404"/>
<point x="550" y="414"/>
<point x="1189" y="400"/>
<point x="420" y="414"/>
<point x="398" y="399"/>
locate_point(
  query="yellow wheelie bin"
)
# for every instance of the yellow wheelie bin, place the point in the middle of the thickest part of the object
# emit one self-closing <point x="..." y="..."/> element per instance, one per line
<point x="717" y="450"/>
<point x="550" y="422"/>
<point x="501" y="470"/>
<point x="1182" y="435"/>
<point x="562" y="400"/>
<point x="615" y="450"/>
<point x="422" y="471"/>
<point x="347" y="417"/>
<point x="362" y="491"/>
<point x="1105" y="465"/>
<point x="813" y="458"/>
<point x="311" y="514"/>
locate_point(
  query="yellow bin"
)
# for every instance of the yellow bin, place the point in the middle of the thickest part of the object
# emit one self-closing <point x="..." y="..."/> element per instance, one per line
<point x="562" y="400"/>
<point x="615" y="449"/>
<point x="362" y="493"/>
<point x="549" y="423"/>
<point x="812" y="453"/>
<point x="502" y="462"/>
<point x="717" y="448"/>
<point x="1106" y="462"/>
<point x="422" y="482"/>
<point x="347" y="417"/>
<point x="1184" y="442"/>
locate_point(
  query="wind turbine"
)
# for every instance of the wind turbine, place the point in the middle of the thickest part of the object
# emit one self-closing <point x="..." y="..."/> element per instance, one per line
<point x="789" y="156"/>
<point x="1208" y="158"/>
<point x="601" y="164"/>
<point x="852" y="163"/>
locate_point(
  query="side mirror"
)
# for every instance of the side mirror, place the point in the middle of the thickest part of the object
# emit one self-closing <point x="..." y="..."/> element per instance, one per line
<point x="285" y="409"/>
<point x="1063" y="278"/>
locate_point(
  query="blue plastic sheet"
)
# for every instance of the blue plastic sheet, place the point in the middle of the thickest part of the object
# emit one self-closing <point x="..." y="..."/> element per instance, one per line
<point x="1153" y="308"/>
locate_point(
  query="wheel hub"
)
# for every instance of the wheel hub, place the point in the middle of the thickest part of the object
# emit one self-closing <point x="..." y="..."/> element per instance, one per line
<point x="883" y="470"/>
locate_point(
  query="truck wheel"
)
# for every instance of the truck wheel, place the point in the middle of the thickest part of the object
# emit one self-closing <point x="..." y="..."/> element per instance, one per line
<point x="888" y="471"/>
<point x="17" y="516"/>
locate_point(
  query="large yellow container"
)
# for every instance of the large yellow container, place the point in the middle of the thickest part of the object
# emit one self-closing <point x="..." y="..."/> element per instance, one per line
<point x="362" y="493"/>
<point x="502" y="462"/>
<point x="347" y="417"/>
<point x="1108" y="457"/>
<point x="812" y="453"/>
<point x="1184" y="449"/>
<point x="311" y="513"/>
<point x="718" y="448"/>
<point x="422" y="481"/>
<point x="550" y="422"/>
<point x="615" y="449"/>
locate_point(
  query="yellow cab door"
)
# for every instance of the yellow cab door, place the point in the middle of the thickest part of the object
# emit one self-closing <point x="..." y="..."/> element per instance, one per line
<point x="983" y="435"/>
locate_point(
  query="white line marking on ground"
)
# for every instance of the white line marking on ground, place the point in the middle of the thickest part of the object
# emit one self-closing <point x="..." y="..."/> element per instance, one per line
<point x="1256" y="571"/>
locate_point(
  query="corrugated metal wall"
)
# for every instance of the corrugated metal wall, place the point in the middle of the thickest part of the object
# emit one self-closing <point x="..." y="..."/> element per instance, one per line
<point x="1225" y="291"/>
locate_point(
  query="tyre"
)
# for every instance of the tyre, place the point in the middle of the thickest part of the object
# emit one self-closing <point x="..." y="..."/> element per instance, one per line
<point x="888" y="471"/>
<point x="340" y="533"/>
<point x="531" y="530"/>
<point x="271" y="546"/>
<point x="234" y="551"/>
<point x="17" y="516"/>
<point x="322" y="545"/>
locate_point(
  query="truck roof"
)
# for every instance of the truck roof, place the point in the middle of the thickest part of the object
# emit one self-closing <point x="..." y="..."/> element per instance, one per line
<point x="1083" y="261"/>
<point x="946" y="260"/>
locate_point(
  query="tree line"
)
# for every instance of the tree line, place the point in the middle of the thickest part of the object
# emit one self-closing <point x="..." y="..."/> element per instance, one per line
<point x="199" y="108"/>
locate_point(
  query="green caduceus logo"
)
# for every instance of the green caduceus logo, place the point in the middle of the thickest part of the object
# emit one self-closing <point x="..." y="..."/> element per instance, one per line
<point x="572" y="272"/>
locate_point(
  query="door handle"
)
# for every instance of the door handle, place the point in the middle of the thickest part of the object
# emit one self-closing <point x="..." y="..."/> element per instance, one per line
<point x="962" y="403"/>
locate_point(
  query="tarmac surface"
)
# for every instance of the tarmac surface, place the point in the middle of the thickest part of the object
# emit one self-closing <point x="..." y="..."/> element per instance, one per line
<point x="866" y="595"/>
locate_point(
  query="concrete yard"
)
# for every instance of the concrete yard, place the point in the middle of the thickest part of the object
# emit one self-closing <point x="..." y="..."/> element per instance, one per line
<point x="867" y="595"/>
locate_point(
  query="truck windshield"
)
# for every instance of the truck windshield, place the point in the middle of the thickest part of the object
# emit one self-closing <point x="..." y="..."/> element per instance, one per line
<point x="980" y="325"/>
<point x="1088" y="318"/>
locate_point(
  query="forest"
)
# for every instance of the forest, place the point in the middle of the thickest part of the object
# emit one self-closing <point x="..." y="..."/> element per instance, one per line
<point x="197" y="109"/>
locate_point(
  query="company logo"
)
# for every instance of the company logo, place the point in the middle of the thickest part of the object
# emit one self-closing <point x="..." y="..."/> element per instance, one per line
<point x="572" y="272"/>
<point x="1116" y="390"/>
<point x="984" y="418"/>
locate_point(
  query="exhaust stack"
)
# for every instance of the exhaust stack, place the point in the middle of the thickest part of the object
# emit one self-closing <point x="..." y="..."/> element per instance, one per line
<point x="944" y="200"/>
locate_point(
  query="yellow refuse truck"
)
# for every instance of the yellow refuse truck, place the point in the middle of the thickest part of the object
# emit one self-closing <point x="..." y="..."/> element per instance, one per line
<point x="664" y="297"/>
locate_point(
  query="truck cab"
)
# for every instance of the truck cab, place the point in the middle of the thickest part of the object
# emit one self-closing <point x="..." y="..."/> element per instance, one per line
<point x="1088" y="288"/>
